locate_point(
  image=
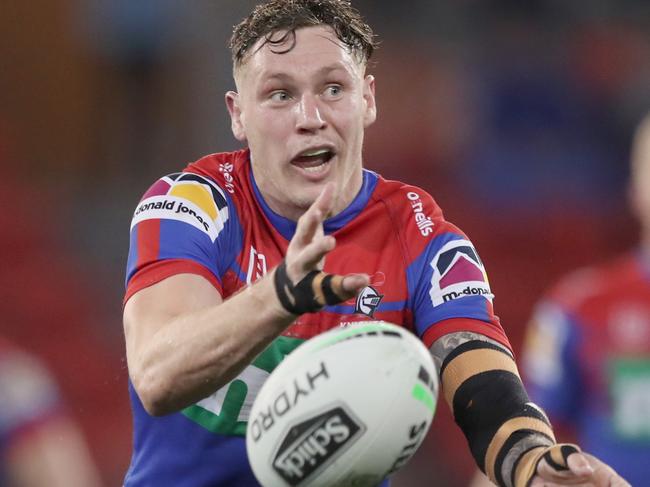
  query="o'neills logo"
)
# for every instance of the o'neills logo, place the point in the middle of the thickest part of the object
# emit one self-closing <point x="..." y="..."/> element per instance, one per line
<point x="424" y="223"/>
<point x="314" y="443"/>
<point x="227" y="169"/>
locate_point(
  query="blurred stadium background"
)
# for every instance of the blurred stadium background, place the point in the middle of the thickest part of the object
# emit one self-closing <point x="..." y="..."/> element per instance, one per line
<point x="515" y="115"/>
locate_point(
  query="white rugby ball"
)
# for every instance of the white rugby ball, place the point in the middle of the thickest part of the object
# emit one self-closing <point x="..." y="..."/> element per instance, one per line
<point x="347" y="409"/>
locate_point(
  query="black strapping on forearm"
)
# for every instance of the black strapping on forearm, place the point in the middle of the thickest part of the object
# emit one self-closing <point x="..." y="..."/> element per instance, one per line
<point x="466" y="347"/>
<point x="484" y="402"/>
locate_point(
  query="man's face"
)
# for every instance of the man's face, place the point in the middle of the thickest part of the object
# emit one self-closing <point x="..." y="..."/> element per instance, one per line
<point x="303" y="115"/>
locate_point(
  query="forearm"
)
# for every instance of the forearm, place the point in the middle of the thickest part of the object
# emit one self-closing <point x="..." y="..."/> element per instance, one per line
<point x="192" y="354"/>
<point x="506" y="433"/>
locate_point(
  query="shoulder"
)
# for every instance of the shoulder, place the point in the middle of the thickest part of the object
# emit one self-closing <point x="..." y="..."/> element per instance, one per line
<point x="418" y="218"/>
<point x="411" y="206"/>
<point x="227" y="169"/>
<point x="201" y="195"/>
<point x="212" y="177"/>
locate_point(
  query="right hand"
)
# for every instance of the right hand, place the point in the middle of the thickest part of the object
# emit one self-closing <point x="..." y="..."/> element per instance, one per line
<point x="310" y="245"/>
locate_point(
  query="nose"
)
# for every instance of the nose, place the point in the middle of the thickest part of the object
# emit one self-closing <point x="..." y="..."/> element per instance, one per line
<point x="309" y="117"/>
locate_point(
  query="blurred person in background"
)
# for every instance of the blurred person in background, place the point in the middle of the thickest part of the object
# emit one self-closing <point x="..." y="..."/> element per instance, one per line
<point x="64" y="418"/>
<point x="586" y="356"/>
<point x="261" y="220"/>
<point x="40" y="445"/>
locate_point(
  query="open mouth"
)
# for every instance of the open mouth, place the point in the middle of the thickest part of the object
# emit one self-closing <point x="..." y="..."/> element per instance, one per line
<point x="313" y="160"/>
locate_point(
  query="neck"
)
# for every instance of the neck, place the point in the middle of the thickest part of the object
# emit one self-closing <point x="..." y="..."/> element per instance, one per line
<point x="282" y="204"/>
<point x="343" y="197"/>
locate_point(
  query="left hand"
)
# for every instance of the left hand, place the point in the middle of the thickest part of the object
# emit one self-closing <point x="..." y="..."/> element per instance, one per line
<point x="583" y="470"/>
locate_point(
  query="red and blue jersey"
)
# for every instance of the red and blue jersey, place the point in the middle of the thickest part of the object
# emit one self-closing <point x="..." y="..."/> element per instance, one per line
<point x="212" y="220"/>
<point x="587" y="361"/>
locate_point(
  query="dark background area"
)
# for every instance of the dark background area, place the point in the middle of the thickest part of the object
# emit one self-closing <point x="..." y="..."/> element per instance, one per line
<point x="515" y="115"/>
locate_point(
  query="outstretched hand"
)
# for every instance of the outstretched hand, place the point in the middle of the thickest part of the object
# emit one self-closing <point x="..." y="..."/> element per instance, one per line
<point x="310" y="245"/>
<point x="583" y="470"/>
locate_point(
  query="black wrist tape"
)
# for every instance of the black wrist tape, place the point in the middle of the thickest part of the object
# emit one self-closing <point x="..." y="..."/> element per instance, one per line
<point x="310" y="294"/>
<point x="557" y="456"/>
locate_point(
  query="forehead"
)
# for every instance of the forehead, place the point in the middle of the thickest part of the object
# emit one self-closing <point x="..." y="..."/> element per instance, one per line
<point x="314" y="49"/>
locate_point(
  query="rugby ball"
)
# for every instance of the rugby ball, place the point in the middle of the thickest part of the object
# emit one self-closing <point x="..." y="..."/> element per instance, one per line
<point x="347" y="408"/>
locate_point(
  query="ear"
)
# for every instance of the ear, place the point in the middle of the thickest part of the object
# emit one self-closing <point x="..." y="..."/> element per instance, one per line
<point x="369" y="99"/>
<point x="236" y="123"/>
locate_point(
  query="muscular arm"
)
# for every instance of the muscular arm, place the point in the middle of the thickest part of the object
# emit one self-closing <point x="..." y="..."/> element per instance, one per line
<point x="183" y="341"/>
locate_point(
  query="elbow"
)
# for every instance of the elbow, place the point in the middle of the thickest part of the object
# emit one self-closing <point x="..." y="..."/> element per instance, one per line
<point x="154" y="393"/>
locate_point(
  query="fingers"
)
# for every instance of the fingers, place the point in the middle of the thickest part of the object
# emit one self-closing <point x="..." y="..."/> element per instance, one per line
<point x="579" y="464"/>
<point x="337" y="289"/>
<point x="579" y="471"/>
<point x="309" y="226"/>
<point x="309" y="245"/>
<point x="539" y="482"/>
<point x="604" y="474"/>
<point x="584" y="470"/>
<point x="352" y="284"/>
<point x="311" y="222"/>
<point x="311" y="256"/>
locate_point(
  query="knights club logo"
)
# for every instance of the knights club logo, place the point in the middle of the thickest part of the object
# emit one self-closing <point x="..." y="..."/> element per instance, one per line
<point x="367" y="301"/>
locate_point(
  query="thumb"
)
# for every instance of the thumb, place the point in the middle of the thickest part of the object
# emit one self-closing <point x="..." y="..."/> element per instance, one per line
<point x="579" y="464"/>
<point x="353" y="283"/>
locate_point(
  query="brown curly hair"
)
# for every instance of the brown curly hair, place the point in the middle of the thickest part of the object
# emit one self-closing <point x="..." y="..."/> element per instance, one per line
<point x="283" y="17"/>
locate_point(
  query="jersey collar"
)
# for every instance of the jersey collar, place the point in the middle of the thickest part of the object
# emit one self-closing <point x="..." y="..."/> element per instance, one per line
<point x="287" y="227"/>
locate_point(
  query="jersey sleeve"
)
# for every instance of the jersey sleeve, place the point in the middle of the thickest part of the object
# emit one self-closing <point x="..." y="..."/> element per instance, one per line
<point x="549" y="362"/>
<point x="448" y="286"/>
<point x="183" y="224"/>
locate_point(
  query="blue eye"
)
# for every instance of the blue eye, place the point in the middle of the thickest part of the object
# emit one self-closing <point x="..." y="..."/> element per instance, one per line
<point x="333" y="90"/>
<point x="279" y="96"/>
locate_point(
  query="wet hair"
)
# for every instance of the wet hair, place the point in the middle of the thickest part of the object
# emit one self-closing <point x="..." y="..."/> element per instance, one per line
<point x="276" y="22"/>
